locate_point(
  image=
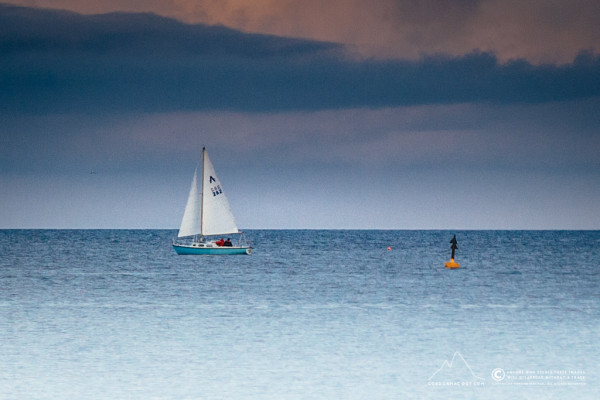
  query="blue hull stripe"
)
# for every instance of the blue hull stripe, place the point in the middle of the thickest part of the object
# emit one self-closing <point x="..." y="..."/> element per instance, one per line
<point x="197" y="251"/>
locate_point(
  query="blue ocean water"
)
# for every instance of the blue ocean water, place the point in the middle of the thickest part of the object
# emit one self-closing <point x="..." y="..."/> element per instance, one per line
<point x="331" y="314"/>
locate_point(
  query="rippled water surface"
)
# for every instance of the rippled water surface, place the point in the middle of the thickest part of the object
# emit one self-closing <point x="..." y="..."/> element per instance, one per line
<point x="310" y="315"/>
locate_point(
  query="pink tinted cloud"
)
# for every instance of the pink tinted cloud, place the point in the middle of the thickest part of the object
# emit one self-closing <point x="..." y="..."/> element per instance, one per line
<point x="540" y="31"/>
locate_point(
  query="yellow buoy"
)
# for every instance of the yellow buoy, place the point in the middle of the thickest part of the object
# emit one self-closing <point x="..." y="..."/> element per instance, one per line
<point x="451" y="264"/>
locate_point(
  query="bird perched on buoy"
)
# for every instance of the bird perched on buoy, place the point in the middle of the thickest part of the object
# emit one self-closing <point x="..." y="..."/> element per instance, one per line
<point x="451" y="264"/>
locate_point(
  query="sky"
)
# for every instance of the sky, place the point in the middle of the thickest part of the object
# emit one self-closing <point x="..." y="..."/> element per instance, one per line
<point x="471" y="114"/>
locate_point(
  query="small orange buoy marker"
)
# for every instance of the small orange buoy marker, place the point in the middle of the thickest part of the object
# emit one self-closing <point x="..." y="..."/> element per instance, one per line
<point x="451" y="264"/>
<point x="389" y="248"/>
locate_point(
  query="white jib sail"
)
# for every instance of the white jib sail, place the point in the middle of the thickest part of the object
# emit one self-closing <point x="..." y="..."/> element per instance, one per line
<point x="191" y="222"/>
<point x="217" y="217"/>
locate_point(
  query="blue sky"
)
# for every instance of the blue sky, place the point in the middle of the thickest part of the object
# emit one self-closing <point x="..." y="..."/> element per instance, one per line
<point x="308" y="128"/>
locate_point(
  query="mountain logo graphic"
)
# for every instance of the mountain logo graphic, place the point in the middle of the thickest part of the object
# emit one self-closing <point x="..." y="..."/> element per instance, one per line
<point x="456" y="370"/>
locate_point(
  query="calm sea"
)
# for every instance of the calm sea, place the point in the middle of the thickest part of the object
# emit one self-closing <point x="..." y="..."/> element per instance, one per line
<point x="103" y="314"/>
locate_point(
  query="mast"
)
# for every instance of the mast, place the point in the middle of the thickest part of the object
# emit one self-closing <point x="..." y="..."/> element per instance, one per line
<point x="202" y="196"/>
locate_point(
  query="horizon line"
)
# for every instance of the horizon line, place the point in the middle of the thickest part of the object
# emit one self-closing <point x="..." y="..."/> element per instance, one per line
<point x="318" y="229"/>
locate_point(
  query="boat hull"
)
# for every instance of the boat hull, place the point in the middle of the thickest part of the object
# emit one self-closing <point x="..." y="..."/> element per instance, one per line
<point x="184" y="250"/>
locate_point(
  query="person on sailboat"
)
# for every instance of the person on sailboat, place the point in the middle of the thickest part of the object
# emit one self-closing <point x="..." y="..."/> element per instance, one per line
<point x="220" y="242"/>
<point x="227" y="243"/>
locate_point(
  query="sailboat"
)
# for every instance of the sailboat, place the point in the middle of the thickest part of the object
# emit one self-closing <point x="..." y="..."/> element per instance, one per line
<point x="207" y="214"/>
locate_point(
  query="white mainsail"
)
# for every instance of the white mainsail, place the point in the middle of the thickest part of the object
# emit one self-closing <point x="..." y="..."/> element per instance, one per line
<point x="217" y="218"/>
<point x="207" y="213"/>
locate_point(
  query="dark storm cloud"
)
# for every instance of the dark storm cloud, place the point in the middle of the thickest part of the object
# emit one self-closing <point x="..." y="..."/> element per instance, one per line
<point x="55" y="61"/>
<point x="25" y="30"/>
